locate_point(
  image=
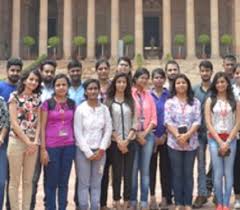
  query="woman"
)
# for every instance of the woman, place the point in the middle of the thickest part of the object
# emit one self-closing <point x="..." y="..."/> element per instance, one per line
<point x="93" y="129"/>
<point x="4" y="125"/>
<point x="160" y="95"/>
<point x="58" y="144"/>
<point x="24" y="109"/>
<point x="222" y="119"/>
<point x="121" y="106"/>
<point x="182" y="119"/>
<point x="124" y="65"/>
<point x="146" y="120"/>
<point x="236" y="181"/>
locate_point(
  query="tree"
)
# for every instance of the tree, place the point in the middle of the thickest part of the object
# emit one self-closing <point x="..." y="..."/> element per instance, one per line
<point x="226" y="40"/>
<point x="128" y="40"/>
<point x="29" y="41"/>
<point x="179" y="41"/>
<point x="203" y="40"/>
<point x="102" y="40"/>
<point x="53" y="42"/>
<point x="79" y="41"/>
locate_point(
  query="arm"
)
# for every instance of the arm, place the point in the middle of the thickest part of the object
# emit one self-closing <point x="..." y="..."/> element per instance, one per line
<point x="235" y="129"/>
<point x="153" y="122"/>
<point x="106" y="139"/>
<point x="208" y="119"/>
<point x="37" y="135"/>
<point x="4" y="121"/>
<point x="78" y="131"/>
<point x="15" y="126"/>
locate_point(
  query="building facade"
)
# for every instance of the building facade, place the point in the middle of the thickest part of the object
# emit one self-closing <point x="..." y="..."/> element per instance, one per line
<point x="153" y="24"/>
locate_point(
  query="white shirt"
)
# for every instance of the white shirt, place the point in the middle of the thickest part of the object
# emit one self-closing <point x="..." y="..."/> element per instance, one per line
<point x="236" y="92"/>
<point x="92" y="128"/>
<point x="46" y="93"/>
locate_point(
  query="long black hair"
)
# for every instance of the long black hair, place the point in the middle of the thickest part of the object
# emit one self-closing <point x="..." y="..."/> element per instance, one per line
<point x="127" y="93"/>
<point x="23" y="78"/>
<point x="229" y="92"/>
<point x="190" y="93"/>
<point x="139" y="72"/>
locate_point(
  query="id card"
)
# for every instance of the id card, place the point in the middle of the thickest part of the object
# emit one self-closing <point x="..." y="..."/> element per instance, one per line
<point x="62" y="133"/>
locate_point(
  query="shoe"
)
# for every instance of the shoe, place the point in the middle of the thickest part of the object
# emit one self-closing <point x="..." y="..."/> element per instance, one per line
<point x="105" y="208"/>
<point x="226" y="208"/>
<point x="214" y="200"/>
<point x="188" y="208"/>
<point x="153" y="203"/>
<point x="237" y="204"/>
<point x="178" y="207"/>
<point x="126" y="205"/>
<point x="199" y="201"/>
<point x="219" y="207"/>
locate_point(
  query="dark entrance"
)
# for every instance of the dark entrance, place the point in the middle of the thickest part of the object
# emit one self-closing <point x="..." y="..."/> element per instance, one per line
<point x="151" y="31"/>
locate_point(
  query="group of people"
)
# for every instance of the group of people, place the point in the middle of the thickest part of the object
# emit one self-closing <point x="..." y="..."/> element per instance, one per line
<point x="51" y="121"/>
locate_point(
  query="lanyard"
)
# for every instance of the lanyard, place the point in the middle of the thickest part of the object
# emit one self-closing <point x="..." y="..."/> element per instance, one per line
<point x="61" y="111"/>
<point x="140" y="100"/>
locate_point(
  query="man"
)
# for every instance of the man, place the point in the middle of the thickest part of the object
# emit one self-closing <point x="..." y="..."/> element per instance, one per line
<point x="229" y="61"/>
<point x="14" y="68"/>
<point x="47" y="69"/>
<point x="76" y="93"/>
<point x="172" y="69"/>
<point x="201" y="91"/>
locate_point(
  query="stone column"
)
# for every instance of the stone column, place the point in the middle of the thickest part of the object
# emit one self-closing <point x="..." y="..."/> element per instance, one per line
<point x="139" y="27"/>
<point x="236" y="8"/>
<point x="16" y="25"/>
<point x="91" y="29"/>
<point x="167" y="37"/>
<point x="114" y="28"/>
<point x="43" y="27"/>
<point x="190" y="25"/>
<point x="67" y="29"/>
<point x="214" y="28"/>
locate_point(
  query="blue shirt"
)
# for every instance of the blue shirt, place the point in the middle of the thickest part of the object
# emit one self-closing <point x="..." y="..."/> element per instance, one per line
<point x="6" y="89"/>
<point x="77" y="94"/>
<point x="160" y="102"/>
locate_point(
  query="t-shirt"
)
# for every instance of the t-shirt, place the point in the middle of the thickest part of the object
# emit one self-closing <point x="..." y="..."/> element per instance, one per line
<point x="27" y="113"/>
<point x="59" y="127"/>
<point x="6" y="89"/>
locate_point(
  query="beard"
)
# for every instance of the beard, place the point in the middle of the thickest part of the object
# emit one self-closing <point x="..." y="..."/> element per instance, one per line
<point x="13" y="79"/>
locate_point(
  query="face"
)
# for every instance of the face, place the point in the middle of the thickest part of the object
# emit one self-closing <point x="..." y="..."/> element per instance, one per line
<point x="75" y="74"/>
<point x="172" y="71"/>
<point x="48" y="73"/>
<point x="103" y="72"/>
<point x="142" y="81"/>
<point x="206" y="74"/>
<point x="236" y="76"/>
<point x="121" y="84"/>
<point x="13" y="73"/>
<point x="124" y="67"/>
<point x="158" y="80"/>
<point x="32" y="82"/>
<point x="61" y="87"/>
<point x="221" y="85"/>
<point x="92" y="91"/>
<point x="181" y="86"/>
<point x="228" y="67"/>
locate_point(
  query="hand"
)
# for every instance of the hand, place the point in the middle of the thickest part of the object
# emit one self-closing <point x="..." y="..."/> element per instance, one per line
<point x="31" y="148"/>
<point x="99" y="154"/>
<point x="181" y="140"/>
<point x="224" y="147"/>
<point x="92" y="157"/>
<point x="141" y="138"/>
<point x="1" y="141"/>
<point x="161" y="140"/>
<point x="44" y="157"/>
<point x="123" y="146"/>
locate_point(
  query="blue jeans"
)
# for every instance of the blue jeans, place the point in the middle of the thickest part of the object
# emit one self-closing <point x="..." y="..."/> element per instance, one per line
<point x="182" y="163"/>
<point x="222" y="167"/>
<point x="141" y="162"/>
<point x="3" y="171"/>
<point x="57" y="176"/>
<point x="201" y="157"/>
<point x="89" y="180"/>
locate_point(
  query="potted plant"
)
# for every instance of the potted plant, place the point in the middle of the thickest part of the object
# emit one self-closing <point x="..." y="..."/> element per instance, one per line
<point x="128" y="40"/>
<point x="226" y="40"/>
<point x="203" y="40"/>
<point x="53" y="42"/>
<point x="179" y="41"/>
<point x="29" y="41"/>
<point x="103" y="41"/>
<point x="79" y="41"/>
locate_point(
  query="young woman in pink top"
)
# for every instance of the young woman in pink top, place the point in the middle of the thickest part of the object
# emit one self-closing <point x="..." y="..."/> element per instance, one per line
<point x="146" y="121"/>
<point x="58" y="144"/>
